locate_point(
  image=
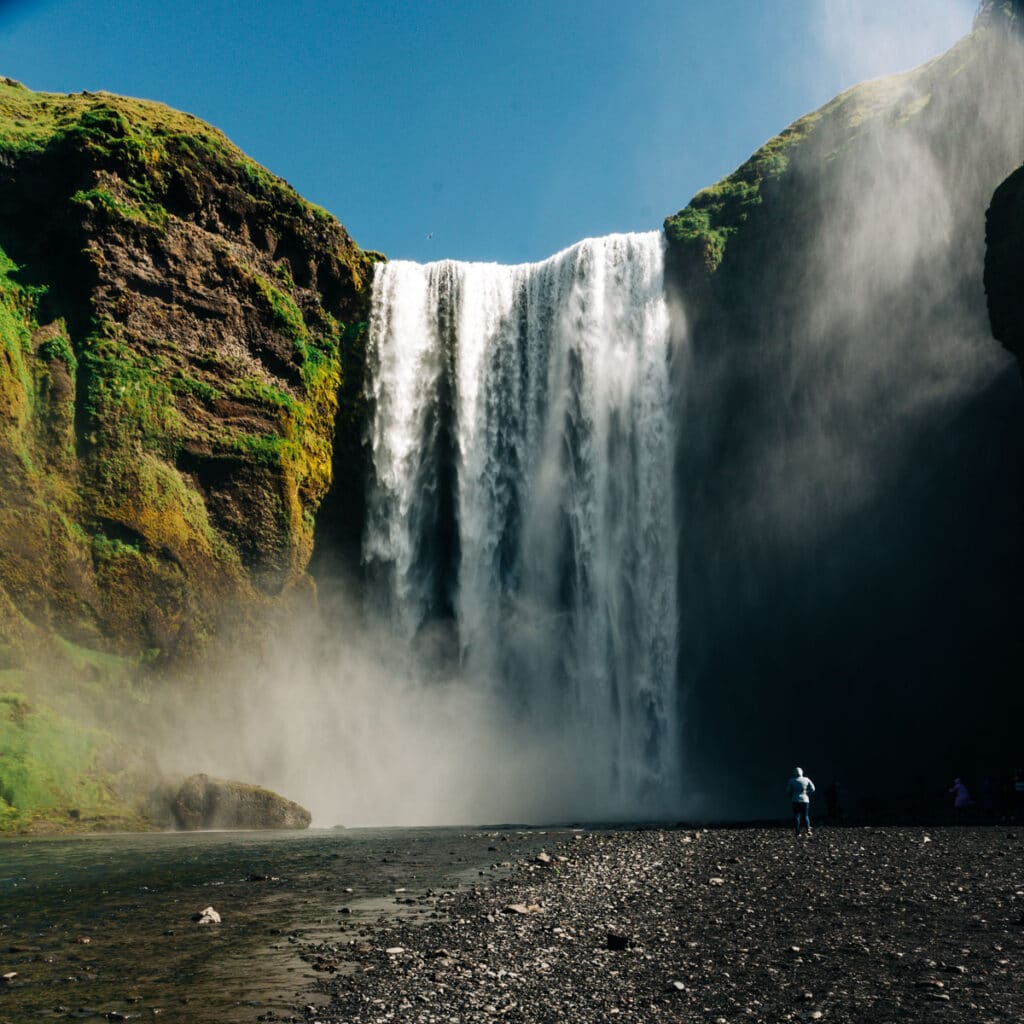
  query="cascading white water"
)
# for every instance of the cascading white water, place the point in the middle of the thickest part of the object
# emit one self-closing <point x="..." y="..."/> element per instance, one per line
<point x="522" y="494"/>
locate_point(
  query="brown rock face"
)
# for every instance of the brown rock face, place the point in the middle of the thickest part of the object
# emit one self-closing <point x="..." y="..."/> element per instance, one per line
<point x="203" y="803"/>
<point x="176" y="328"/>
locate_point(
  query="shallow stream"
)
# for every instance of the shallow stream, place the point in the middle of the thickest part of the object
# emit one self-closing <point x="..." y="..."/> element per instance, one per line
<point x="101" y="927"/>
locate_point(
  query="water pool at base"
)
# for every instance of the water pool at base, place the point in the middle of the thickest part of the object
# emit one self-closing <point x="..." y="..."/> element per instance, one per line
<point x="99" y="926"/>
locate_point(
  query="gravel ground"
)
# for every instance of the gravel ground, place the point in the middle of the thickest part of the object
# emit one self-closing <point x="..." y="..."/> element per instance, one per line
<point x="852" y="924"/>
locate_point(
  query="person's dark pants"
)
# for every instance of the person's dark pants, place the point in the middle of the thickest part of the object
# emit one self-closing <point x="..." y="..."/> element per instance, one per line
<point x="801" y="815"/>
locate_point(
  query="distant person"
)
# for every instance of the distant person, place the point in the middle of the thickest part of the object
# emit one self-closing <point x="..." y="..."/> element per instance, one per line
<point x="833" y="804"/>
<point x="800" y="789"/>
<point x="961" y="798"/>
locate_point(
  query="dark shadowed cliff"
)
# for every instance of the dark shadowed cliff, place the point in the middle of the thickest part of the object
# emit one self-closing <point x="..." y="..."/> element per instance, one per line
<point x="1004" y="263"/>
<point x="852" y="444"/>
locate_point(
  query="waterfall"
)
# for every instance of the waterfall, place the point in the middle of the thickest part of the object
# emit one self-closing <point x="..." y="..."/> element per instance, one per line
<point x="521" y="500"/>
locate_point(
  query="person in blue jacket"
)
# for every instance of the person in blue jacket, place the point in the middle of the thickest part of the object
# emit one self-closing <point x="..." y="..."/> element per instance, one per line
<point x="800" y="789"/>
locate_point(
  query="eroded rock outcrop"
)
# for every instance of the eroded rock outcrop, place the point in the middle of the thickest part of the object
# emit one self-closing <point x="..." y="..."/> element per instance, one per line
<point x="176" y="328"/>
<point x="1004" y="263"/>
<point x="203" y="803"/>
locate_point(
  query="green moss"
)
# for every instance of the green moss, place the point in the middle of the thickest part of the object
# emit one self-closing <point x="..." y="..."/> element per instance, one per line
<point x="106" y="548"/>
<point x="259" y="391"/>
<point x="140" y="211"/>
<point x="715" y="214"/>
<point x="283" y="272"/>
<point x="17" y="384"/>
<point x="89" y="662"/>
<point x="184" y="384"/>
<point x="264" y="449"/>
<point x="287" y="316"/>
<point x="59" y="347"/>
<point x="47" y="767"/>
<point x="129" y="402"/>
<point x="17" y="309"/>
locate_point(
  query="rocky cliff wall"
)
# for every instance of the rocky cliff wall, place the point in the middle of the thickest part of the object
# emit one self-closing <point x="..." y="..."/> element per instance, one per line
<point x="180" y="344"/>
<point x="853" y="440"/>
<point x="176" y="327"/>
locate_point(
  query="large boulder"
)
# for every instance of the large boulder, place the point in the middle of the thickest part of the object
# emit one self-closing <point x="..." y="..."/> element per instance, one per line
<point x="203" y="802"/>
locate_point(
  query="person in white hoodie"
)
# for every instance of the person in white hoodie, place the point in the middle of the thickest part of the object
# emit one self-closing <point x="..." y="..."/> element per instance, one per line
<point x="800" y="789"/>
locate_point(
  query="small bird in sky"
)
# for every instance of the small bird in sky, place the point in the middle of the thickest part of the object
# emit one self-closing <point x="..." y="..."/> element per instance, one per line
<point x="430" y="234"/>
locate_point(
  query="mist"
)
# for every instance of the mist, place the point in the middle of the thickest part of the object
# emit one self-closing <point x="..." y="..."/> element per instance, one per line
<point x="850" y="455"/>
<point x="860" y="40"/>
<point x="362" y="730"/>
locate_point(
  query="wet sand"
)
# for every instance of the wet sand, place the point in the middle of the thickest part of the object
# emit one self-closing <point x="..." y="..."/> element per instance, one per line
<point x="728" y="925"/>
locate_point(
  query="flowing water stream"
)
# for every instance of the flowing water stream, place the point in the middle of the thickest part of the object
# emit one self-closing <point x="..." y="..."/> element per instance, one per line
<point x="521" y="502"/>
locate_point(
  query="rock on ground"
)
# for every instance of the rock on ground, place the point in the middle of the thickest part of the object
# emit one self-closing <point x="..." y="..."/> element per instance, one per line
<point x="855" y="925"/>
<point x="203" y="802"/>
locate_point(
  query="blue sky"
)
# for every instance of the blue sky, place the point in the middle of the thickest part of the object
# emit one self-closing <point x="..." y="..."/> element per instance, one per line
<point x="507" y="131"/>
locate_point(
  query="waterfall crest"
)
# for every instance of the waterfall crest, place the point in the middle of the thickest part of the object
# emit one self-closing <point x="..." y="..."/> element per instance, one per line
<point x="521" y="501"/>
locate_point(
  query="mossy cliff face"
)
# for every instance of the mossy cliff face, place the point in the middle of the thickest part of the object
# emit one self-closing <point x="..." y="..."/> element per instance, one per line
<point x="176" y="325"/>
<point x="851" y="436"/>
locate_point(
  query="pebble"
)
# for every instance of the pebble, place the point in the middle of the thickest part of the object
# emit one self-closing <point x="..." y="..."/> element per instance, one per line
<point x="207" y="916"/>
<point x="696" y="955"/>
<point x="522" y="908"/>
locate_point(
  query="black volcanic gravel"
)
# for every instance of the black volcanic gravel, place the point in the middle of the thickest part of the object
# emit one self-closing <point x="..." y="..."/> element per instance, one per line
<point x="726" y="925"/>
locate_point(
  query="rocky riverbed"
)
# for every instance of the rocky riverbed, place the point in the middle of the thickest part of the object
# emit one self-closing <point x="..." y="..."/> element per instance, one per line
<point x="726" y="925"/>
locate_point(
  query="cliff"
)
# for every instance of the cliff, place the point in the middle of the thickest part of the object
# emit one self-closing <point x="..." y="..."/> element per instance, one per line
<point x="852" y="438"/>
<point x="176" y="327"/>
<point x="180" y="334"/>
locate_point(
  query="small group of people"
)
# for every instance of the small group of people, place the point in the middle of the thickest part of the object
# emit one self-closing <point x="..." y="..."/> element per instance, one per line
<point x="998" y="799"/>
<point x="799" y="789"/>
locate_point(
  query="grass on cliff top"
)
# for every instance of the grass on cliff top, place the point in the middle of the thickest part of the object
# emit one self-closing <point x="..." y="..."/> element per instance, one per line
<point x="715" y="214"/>
<point x="142" y="135"/>
<point x="106" y="122"/>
